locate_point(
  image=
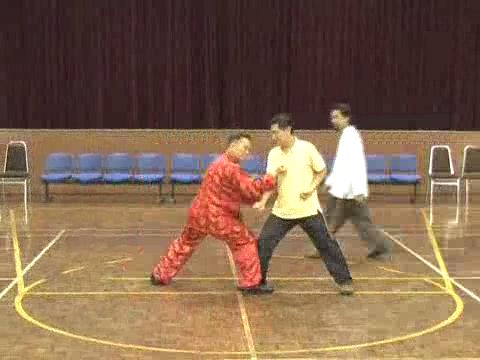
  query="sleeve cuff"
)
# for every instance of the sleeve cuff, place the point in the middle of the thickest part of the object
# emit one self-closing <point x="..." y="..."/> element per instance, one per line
<point x="269" y="182"/>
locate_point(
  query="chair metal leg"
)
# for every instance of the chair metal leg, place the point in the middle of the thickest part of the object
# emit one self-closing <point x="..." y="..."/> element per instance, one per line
<point x="458" y="202"/>
<point x="47" y="193"/>
<point x="160" y="196"/>
<point x="25" y="193"/>
<point x="431" y="201"/>
<point x="467" y="193"/>
<point x="467" y="203"/>
<point x="426" y="190"/>
<point x="432" y="184"/>
<point x="414" y="198"/>
<point x="172" y="193"/>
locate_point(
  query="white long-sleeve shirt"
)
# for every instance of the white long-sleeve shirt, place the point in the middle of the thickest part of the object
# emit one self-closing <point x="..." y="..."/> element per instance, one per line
<point x="348" y="177"/>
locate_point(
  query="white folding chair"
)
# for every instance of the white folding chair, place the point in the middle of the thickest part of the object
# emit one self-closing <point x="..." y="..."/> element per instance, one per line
<point x="470" y="168"/>
<point x="442" y="173"/>
<point x="16" y="170"/>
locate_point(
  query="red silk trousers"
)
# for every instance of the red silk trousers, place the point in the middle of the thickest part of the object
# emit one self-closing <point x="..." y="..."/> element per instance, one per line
<point x="242" y="243"/>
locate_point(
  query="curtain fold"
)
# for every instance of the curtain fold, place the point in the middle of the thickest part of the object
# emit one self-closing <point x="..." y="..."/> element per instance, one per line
<point x="402" y="64"/>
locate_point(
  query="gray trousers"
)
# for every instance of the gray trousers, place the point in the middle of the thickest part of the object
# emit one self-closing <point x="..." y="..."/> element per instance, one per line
<point x="338" y="211"/>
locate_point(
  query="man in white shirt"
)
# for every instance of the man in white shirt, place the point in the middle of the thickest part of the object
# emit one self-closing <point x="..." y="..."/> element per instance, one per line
<point x="297" y="202"/>
<point x="347" y="186"/>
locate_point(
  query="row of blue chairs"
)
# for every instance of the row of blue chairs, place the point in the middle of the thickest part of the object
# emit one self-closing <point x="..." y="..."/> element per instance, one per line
<point x="397" y="169"/>
<point x="393" y="169"/>
<point x="184" y="168"/>
<point x="124" y="168"/>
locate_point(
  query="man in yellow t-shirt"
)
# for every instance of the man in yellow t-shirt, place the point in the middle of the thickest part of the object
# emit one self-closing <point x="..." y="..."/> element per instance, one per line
<point x="297" y="201"/>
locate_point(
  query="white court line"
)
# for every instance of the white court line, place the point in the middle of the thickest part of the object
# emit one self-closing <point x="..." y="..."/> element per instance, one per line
<point x="434" y="268"/>
<point x="29" y="266"/>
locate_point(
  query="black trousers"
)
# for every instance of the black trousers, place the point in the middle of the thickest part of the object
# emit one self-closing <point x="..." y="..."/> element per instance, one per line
<point x="276" y="228"/>
<point x="341" y="210"/>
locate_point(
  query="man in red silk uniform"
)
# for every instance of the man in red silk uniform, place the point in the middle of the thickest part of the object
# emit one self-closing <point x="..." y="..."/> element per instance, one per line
<point x="216" y="211"/>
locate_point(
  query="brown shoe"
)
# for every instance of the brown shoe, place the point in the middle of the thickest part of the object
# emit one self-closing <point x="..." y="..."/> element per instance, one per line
<point x="346" y="288"/>
<point x="314" y="255"/>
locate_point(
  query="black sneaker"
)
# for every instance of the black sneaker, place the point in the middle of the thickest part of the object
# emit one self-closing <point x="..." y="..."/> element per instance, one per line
<point x="155" y="281"/>
<point x="380" y="255"/>
<point x="257" y="290"/>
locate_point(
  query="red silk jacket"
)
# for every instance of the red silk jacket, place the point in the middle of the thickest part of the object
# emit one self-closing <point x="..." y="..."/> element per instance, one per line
<point x="226" y="186"/>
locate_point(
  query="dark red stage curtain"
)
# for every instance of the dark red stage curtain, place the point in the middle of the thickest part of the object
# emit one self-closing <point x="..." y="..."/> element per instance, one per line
<point x="402" y="64"/>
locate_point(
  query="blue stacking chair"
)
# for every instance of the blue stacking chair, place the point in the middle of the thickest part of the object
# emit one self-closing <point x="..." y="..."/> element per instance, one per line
<point x="58" y="170"/>
<point x="186" y="170"/>
<point x="403" y="169"/>
<point x="377" y="169"/>
<point x="208" y="160"/>
<point x="118" y="168"/>
<point x="151" y="169"/>
<point x="88" y="169"/>
<point x="254" y="165"/>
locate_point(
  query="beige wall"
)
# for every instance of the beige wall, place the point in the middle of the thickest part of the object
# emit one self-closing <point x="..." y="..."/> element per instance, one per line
<point x="43" y="142"/>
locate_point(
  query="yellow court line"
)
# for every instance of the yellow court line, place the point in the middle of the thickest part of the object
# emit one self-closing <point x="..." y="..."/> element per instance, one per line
<point x="295" y="257"/>
<point x="21" y="311"/>
<point x="394" y="292"/>
<point x="390" y="270"/>
<point x="119" y="261"/>
<point x="292" y="292"/>
<point x="177" y="278"/>
<point x="80" y="293"/>
<point x="367" y="278"/>
<point x="303" y="258"/>
<point x="451" y="319"/>
<point x="36" y="283"/>
<point x="438" y="254"/>
<point x="18" y="259"/>
<point x="289" y="257"/>
<point x="426" y="278"/>
<point x="32" y="263"/>
<point x="243" y="310"/>
<point x="434" y="268"/>
<point x="73" y="270"/>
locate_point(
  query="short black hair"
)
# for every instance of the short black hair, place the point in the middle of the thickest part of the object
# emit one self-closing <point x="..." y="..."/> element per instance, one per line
<point x="344" y="109"/>
<point x="283" y="120"/>
<point x="238" y="136"/>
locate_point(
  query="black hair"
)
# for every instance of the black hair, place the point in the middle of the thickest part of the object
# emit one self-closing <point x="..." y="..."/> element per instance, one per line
<point x="238" y="136"/>
<point x="344" y="109"/>
<point x="283" y="120"/>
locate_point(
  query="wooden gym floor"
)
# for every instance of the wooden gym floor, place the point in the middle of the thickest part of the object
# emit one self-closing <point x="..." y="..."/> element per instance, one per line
<point x="85" y="292"/>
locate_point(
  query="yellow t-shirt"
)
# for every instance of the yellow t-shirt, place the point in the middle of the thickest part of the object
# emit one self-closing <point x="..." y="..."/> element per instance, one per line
<point x="302" y="160"/>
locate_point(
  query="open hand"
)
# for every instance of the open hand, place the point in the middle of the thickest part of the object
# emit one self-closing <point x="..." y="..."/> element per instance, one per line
<point x="281" y="169"/>
<point x="306" y="194"/>
<point x="259" y="205"/>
